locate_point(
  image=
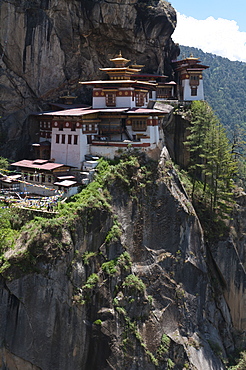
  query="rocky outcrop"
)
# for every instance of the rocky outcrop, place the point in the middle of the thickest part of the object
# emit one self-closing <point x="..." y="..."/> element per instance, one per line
<point x="143" y="298"/>
<point x="48" y="46"/>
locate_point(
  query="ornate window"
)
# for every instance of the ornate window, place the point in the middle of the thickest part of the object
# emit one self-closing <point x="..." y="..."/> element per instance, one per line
<point x="194" y="80"/>
<point x="63" y="139"/>
<point x="193" y="91"/>
<point x="110" y="99"/>
<point x="164" y="92"/>
<point x="139" y="125"/>
<point x="75" y="139"/>
<point x="57" y="139"/>
<point x="140" y="99"/>
<point x="69" y="141"/>
<point x="194" y="77"/>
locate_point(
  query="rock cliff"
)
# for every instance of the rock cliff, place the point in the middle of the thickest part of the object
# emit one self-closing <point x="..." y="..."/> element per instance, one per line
<point x="128" y="285"/>
<point x="46" y="47"/>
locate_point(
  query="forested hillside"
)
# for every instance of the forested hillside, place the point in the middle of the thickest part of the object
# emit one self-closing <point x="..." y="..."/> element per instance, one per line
<point x="224" y="86"/>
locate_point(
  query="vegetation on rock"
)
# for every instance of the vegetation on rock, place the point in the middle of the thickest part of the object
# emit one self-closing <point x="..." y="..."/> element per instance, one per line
<point x="43" y="237"/>
<point x="4" y="163"/>
<point x="241" y="365"/>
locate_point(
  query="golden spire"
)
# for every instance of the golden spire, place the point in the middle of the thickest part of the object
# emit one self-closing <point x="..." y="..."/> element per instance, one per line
<point x="119" y="61"/>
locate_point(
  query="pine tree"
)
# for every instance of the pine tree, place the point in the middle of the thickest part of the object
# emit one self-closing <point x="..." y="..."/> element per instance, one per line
<point x="211" y="161"/>
<point x="200" y="123"/>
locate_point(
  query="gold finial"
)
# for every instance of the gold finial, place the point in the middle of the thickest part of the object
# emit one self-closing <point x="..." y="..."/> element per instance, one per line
<point x="120" y="61"/>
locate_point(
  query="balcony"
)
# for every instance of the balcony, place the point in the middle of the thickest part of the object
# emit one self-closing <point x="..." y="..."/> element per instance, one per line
<point x="110" y="128"/>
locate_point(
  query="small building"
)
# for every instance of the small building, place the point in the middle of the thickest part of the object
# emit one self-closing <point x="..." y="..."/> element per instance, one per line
<point x="10" y="183"/>
<point x="45" y="178"/>
<point x="190" y="79"/>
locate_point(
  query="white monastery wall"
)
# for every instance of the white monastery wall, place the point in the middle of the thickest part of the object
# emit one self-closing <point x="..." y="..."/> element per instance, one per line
<point x="99" y="102"/>
<point x="124" y="101"/>
<point x="187" y="90"/>
<point x="105" y="151"/>
<point x="154" y="134"/>
<point x="71" y="154"/>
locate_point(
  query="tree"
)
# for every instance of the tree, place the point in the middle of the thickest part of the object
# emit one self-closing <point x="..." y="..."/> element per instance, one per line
<point x="200" y="123"/>
<point x="3" y="164"/>
<point x="238" y="151"/>
<point x="211" y="164"/>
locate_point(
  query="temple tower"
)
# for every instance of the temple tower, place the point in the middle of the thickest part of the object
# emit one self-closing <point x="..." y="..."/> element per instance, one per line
<point x="189" y="78"/>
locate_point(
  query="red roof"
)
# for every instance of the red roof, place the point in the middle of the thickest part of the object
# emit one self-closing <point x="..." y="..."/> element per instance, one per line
<point x="70" y="112"/>
<point x="49" y="166"/>
<point x="146" y="111"/>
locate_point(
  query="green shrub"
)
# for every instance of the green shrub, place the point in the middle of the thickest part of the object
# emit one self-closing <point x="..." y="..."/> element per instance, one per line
<point x="87" y="256"/>
<point x="241" y="363"/>
<point x="97" y="322"/>
<point x="124" y="261"/>
<point x="110" y="267"/>
<point x="7" y="234"/>
<point x="170" y="364"/>
<point x="150" y="299"/>
<point x="113" y="266"/>
<point x="113" y="234"/>
<point x="91" y="282"/>
<point x="164" y="346"/>
<point x="134" y="284"/>
<point x="121" y="310"/>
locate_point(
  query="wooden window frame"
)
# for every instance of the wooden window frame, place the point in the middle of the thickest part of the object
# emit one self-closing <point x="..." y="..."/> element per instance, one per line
<point x="193" y="91"/>
<point x="110" y="99"/>
<point x="140" y="97"/>
<point x="139" y="125"/>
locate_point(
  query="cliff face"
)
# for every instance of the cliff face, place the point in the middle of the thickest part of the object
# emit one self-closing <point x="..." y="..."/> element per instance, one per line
<point x="229" y="256"/>
<point x="48" y="46"/>
<point x="152" y="307"/>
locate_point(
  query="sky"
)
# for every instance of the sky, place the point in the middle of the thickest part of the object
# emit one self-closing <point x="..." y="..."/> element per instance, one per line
<point x="215" y="26"/>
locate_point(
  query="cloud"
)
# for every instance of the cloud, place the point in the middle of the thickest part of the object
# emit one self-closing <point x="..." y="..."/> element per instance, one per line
<point x="218" y="36"/>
